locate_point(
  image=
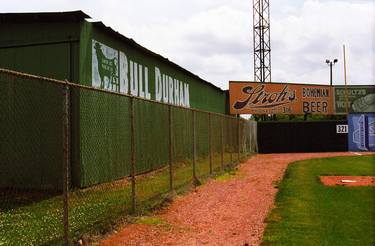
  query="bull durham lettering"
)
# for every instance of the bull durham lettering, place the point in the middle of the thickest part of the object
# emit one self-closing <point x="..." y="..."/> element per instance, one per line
<point x="259" y="98"/>
<point x="113" y="70"/>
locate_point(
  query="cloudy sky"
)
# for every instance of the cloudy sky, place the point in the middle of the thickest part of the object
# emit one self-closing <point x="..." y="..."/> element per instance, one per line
<point x="213" y="38"/>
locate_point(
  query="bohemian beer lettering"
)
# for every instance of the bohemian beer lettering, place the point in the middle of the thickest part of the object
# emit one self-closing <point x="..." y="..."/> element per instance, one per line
<point x="315" y="107"/>
<point x="314" y="92"/>
<point x="311" y="107"/>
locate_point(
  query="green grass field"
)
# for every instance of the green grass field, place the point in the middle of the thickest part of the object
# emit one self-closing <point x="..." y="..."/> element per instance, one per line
<point x="94" y="210"/>
<point x="308" y="213"/>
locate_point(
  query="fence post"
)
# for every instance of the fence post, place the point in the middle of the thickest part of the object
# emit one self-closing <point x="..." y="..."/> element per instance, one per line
<point x="239" y="139"/>
<point x="222" y="143"/>
<point x="133" y="160"/>
<point x="231" y="142"/>
<point x="231" y="152"/>
<point x="209" y="141"/>
<point x="195" y="180"/>
<point x="66" y="130"/>
<point x="170" y="147"/>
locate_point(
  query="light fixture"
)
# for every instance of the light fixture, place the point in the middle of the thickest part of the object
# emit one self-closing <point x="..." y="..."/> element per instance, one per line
<point x="330" y="64"/>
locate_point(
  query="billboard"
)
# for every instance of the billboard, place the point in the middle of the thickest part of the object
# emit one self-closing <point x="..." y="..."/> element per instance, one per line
<point x="361" y="135"/>
<point x="114" y="70"/>
<point x="361" y="99"/>
<point x="279" y="98"/>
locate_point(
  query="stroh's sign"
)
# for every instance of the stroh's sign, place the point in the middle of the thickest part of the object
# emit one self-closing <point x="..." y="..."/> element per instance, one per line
<point x="279" y="98"/>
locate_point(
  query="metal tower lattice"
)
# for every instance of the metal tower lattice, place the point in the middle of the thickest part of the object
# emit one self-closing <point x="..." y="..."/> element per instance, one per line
<point x="262" y="41"/>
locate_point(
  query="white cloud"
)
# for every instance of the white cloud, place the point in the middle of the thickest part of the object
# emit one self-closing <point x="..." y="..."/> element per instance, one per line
<point x="304" y="40"/>
<point x="213" y="38"/>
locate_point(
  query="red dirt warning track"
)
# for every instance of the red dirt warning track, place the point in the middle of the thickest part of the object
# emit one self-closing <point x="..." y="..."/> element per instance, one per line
<point x="227" y="212"/>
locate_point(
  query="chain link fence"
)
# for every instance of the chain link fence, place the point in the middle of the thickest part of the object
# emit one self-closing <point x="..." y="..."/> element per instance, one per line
<point x="76" y="160"/>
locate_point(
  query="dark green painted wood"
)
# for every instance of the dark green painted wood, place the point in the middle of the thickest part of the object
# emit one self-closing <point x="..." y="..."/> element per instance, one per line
<point x="100" y="138"/>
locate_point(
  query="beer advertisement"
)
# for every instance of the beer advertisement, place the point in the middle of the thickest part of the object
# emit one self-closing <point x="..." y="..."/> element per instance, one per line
<point x="279" y="98"/>
<point x="357" y="99"/>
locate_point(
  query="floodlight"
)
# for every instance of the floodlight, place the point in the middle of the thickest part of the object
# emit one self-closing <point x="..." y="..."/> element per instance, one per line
<point x="330" y="64"/>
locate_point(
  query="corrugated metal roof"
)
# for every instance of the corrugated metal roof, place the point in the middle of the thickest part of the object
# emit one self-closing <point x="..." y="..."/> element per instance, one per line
<point x="71" y="16"/>
<point x="77" y="16"/>
<point x="117" y="35"/>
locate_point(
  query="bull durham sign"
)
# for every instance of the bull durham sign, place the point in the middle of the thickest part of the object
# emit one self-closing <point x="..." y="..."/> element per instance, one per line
<point x="113" y="70"/>
<point x="279" y="98"/>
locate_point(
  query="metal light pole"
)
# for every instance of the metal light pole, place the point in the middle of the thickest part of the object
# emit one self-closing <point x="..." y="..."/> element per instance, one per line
<point x="330" y="64"/>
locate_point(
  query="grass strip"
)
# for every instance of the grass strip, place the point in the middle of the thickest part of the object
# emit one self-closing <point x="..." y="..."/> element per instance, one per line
<point x="95" y="210"/>
<point x="308" y="213"/>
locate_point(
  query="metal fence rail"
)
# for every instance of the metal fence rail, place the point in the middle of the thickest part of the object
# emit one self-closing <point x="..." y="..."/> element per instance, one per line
<point x="75" y="159"/>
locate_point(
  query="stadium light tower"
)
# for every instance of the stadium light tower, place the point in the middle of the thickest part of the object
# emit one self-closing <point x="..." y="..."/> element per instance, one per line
<point x="262" y="40"/>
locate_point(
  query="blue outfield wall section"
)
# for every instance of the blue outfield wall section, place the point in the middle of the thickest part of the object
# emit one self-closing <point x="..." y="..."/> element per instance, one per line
<point x="361" y="135"/>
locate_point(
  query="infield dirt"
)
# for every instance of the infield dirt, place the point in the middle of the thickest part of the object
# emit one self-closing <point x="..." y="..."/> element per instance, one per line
<point x="348" y="180"/>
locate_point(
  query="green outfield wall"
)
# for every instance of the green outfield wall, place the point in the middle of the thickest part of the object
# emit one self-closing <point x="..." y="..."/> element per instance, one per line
<point x="66" y="46"/>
